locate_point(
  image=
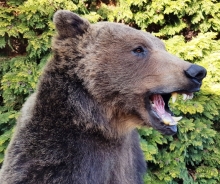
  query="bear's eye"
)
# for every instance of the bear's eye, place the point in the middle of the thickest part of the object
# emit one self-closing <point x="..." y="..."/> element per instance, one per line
<point x="139" y="51"/>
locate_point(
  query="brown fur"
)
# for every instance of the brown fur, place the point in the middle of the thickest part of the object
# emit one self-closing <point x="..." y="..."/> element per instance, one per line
<point x="79" y="126"/>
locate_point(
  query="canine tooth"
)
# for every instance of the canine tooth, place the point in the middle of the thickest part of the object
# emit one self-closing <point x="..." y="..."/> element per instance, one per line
<point x="185" y="96"/>
<point x="166" y="121"/>
<point x="176" y="119"/>
<point x="153" y="105"/>
<point x="174" y="97"/>
<point x="173" y="123"/>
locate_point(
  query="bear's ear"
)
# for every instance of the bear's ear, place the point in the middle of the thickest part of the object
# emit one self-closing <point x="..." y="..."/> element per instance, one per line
<point x="69" y="24"/>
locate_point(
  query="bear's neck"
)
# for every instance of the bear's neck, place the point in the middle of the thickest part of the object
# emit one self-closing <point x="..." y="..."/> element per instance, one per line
<point x="67" y="104"/>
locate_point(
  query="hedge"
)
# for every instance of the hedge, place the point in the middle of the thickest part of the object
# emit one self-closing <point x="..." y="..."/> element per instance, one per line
<point x="189" y="28"/>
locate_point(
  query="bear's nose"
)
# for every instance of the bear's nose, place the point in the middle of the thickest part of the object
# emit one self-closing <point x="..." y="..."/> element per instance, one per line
<point x="196" y="72"/>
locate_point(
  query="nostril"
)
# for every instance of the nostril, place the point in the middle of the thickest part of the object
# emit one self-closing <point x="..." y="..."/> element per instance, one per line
<point x="196" y="72"/>
<point x="200" y="75"/>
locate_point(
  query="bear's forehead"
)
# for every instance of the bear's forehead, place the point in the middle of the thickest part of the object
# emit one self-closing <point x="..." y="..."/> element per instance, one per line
<point x="111" y="32"/>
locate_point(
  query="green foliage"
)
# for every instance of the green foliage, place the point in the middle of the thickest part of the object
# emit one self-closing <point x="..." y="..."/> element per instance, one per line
<point x="190" y="30"/>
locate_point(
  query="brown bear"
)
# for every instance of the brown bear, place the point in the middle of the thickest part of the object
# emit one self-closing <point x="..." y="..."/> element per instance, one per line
<point x="103" y="81"/>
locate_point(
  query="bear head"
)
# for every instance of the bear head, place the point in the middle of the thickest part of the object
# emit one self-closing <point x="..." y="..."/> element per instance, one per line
<point x="127" y="72"/>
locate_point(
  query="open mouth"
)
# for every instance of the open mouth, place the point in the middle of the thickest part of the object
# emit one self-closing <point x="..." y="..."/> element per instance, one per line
<point x="160" y="111"/>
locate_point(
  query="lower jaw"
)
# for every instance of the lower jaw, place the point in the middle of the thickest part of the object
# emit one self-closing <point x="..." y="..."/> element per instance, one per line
<point x="165" y="129"/>
<point x="158" y="124"/>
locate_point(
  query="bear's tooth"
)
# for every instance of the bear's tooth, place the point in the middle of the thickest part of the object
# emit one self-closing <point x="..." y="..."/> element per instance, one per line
<point x="174" y="97"/>
<point x="184" y="96"/>
<point x="176" y="119"/>
<point x="169" y="121"/>
<point x="166" y="121"/>
<point x="173" y="123"/>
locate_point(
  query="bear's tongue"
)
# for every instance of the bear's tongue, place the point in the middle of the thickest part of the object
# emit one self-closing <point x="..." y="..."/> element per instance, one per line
<point x="158" y="105"/>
